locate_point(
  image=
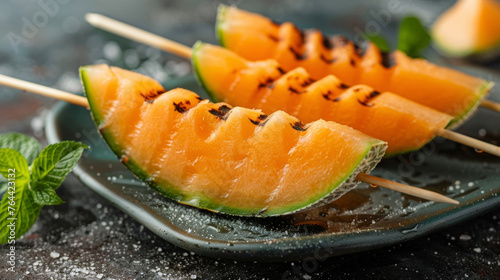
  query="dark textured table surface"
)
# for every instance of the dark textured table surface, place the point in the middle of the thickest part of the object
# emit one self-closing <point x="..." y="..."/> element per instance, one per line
<point x="88" y="238"/>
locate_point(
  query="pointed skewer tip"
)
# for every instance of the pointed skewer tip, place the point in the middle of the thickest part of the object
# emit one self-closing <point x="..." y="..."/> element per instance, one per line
<point x="93" y="18"/>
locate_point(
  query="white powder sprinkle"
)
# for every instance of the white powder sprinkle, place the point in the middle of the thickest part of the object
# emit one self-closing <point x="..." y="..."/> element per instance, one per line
<point x="465" y="237"/>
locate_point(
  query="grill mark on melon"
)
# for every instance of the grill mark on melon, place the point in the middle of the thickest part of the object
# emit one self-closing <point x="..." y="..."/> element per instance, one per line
<point x="293" y="90"/>
<point x="369" y="97"/>
<point x="221" y="112"/>
<point x="299" y="126"/>
<point x="327" y="96"/>
<point x="327" y="43"/>
<point x="256" y="122"/>
<point x="360" y="50"/>
<point x="326" y="60"/>
<point x="388" y="60"/>
<point x="152" y="94"/>
<point x="267" y="83"/>
<point x="307" y="82"/>
<point x="273" y="38"/>
<point x="343" y="86"/>
<point x="297" y="55"/>
<point x="180" y="107"/>
<point x="300" y="33"/>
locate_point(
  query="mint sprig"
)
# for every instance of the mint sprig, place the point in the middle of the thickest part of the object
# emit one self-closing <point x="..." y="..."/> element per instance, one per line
<point x="413" y="38"/>
<point x="30" y="187"/>
<point x="380" y="42"/>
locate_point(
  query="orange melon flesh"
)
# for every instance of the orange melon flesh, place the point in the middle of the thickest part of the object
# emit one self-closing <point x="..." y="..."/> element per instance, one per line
<point x="232" y="160"/>
<point x="403" y="124"/>
<point x="469" y="28"/>
<point x="255" y="37"/>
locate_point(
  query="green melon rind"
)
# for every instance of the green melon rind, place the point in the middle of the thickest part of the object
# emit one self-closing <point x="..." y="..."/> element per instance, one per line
<point x="373" y="154"/>
<point x="221" y="16"/>
<point x="483" y="91"/>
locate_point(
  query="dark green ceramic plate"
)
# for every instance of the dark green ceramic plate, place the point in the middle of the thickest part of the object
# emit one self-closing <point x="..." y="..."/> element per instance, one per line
<point x="363" y="219"/>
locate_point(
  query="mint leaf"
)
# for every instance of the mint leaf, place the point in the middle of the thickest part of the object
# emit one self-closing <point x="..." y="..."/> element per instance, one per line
<point x="55" y="162"/>
<point x="18" y="211"/>
<point x="27" y="146"/>
<point x="45" y="195"/>
<point x="413" y="37"/>
<point x="27" y="192"/>
<point x="380" y="42"/>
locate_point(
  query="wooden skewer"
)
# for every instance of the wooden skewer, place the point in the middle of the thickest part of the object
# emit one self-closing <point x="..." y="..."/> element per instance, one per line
<point x="493" y="106"/>
<point x="82" y="101"/>
<point x="167" y="45"/>
<point x="395" y="186"/>
<point x="469" y="141"/>
<point x="42" y="90"/>
<point x="138" y="35"/>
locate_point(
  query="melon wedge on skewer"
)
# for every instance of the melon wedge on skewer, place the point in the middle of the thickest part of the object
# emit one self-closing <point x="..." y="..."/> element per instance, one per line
<point x="403" y="124"/>
<point x="256" y="37"/>
<point x="213" y="156"/>
<point x="142" y="36"/>
<point x="232" y="160"/>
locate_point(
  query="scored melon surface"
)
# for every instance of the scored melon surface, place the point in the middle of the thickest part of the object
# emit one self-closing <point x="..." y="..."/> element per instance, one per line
<point x="224" y="159"/>
<point x="403" y="124"/>
<point x="256" y="37"/>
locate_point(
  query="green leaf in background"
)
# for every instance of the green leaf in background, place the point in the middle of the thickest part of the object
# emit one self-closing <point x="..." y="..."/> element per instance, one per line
<point x="413" y="37"/>
<point x="45" y="195"/>
<point x="55" y="162"/>
<point x="18" y="211"/>
<point x="380" y="42"/>
<point x="27" y="146"/>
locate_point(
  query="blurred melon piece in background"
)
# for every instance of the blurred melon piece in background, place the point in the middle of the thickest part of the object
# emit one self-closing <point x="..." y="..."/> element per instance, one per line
<point x="469" y="29"/>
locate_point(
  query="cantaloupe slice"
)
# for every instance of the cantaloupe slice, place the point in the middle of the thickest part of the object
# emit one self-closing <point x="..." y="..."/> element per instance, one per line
<point x="471" y="28"/>
<point x="255" y="37"/>
<point x="224" y="159"/>
<point x="403" y="124"/>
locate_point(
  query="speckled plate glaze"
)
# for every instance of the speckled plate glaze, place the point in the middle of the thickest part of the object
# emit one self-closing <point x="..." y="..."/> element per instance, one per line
<point x="363" y="219"/>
